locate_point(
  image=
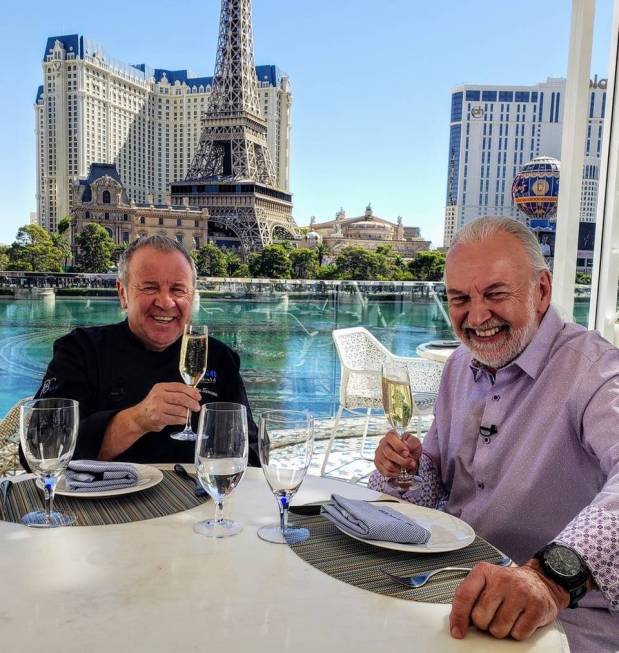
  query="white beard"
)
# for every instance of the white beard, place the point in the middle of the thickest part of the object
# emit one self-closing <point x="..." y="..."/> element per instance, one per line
<point x="496" y="355"/>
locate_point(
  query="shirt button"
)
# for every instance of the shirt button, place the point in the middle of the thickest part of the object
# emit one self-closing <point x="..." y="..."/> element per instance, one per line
<point x="487" y="440"/>
<point x="480" y="485"/>
<point x="496" y="397"/>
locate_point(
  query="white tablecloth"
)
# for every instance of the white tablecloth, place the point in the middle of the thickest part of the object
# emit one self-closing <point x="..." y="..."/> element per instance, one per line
<point x="156" y="586"/>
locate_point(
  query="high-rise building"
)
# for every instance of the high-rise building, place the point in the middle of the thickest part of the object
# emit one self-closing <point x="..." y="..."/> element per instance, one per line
<point x="93" y="109"/>
<point x="495" y="130"/>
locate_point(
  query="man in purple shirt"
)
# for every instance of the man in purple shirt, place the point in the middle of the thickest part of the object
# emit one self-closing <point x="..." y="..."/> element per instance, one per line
<point x="524" y="446"/>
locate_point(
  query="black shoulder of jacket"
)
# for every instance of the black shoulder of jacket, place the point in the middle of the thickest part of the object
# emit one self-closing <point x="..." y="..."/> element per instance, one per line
<point x="218" y="350"/>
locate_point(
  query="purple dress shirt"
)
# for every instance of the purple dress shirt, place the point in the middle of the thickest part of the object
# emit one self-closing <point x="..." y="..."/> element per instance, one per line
<point x="550" y="472"/>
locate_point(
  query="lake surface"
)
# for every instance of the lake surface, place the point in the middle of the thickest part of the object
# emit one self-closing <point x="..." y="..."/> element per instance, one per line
<point x="288" y="359"/>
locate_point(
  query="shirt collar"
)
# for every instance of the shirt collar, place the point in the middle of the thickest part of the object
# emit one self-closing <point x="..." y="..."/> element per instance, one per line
<point x="533" y="358"/>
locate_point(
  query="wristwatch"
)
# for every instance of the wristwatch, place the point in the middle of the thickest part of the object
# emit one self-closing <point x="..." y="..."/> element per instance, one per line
<point x="566" y="568"/>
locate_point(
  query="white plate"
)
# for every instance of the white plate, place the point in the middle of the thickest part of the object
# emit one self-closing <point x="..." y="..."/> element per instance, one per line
<point x="147" y="477"/>
<point x="448" y="533"/>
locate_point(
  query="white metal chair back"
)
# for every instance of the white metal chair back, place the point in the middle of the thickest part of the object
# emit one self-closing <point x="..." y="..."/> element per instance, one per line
<point x="361" y="358"/>
<point x="9" y="439"/>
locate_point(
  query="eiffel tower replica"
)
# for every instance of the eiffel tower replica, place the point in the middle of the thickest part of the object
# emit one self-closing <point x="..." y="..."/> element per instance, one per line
<point x="232" y="174"/>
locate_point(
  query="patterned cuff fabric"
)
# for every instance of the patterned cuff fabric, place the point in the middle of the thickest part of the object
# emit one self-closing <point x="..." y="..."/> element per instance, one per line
<point x="430" y="493"/>
<point x="594" y="535"/>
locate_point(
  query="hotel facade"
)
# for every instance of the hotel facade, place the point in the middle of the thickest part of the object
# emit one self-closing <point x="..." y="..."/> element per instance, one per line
<point x="495" y="130"/>
<point x="94" y="109"/>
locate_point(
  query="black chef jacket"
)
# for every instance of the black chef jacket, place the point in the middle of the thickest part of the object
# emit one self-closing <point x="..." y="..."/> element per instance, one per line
<point x="108" y="369"/>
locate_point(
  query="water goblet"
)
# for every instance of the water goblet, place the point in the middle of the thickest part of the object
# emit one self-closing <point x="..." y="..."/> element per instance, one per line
<point x="286" y="443"/>
<point x="192" y="366"/>
<point x="221" y="460"/>
<point x="48" y="432"/>
<point x="398" y="406"/>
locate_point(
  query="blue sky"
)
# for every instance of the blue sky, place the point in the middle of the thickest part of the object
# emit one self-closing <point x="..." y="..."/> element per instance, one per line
<point x="371" y="84"/>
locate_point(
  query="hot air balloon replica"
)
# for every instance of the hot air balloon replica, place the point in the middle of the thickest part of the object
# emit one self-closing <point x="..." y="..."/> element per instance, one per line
<point x="535" y="190"/>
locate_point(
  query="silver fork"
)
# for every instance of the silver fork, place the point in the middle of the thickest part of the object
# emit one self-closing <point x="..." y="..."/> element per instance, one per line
<point x="418" y="580"/>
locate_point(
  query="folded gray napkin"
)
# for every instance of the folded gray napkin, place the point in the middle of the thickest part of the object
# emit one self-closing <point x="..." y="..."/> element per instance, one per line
<point x="97" y="476"/>
<point x="373" y="522"/>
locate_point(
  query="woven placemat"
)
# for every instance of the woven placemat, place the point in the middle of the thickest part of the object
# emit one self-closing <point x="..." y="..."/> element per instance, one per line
<point x="360" y="564"/>
<point x="172" y="495"/>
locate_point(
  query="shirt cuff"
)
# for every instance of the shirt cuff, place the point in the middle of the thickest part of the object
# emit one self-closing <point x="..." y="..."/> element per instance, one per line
<point x="430" y="493"/>
<point x="594" y="535"/>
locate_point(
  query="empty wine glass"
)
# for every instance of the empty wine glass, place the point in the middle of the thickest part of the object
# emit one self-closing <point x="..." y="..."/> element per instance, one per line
<point x="398" y="406"/>
<point x="286" y="443"/>
<point x="192" y="366"/>
<point x="221" y="460"/>
<point x="48" y="432"/>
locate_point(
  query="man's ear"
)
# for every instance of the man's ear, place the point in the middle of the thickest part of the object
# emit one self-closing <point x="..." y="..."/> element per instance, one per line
<point x="544" y="288"/>
<point x="122" y="294"/>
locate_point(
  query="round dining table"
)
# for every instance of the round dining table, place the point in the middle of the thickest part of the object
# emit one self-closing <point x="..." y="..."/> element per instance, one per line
<point x="438" y="354"/>
<point x="156" y="586"/>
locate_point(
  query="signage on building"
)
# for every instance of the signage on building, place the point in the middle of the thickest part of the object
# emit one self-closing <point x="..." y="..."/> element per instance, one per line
<point x="598" y="83"/>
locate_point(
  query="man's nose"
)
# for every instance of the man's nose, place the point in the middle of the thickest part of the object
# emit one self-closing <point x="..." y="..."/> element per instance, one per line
<point x="164" y="298"/>
<point x="478" y="313"/>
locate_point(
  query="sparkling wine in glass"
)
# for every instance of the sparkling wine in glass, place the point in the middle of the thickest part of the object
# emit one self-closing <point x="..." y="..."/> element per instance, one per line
<point x="48" y="432"/>
<point x="398" y="406"/>
<point x="286" y="443"/>
<point x="192" y="366"/>
<point x="221" y="460"/>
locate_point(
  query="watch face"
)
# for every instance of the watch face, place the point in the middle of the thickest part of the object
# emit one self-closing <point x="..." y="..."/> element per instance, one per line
<point x="563" y="561"/>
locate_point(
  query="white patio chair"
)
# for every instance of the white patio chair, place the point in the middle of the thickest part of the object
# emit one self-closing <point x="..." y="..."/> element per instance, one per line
<point x="9" y="439"/>
<point x="361" y="358"/>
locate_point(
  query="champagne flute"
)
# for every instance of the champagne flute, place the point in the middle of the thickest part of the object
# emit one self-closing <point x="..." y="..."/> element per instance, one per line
<point x="398" y="406"/>
<point x="221" y="460"/>
<point x="192" y="366"/>
<point x="286" y="443"/>
<point x="48" y="433"/>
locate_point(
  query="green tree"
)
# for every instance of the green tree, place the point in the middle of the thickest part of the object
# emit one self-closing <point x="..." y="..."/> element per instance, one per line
<point x="118" y="250"/>
<point x="304" y="263"/>
<point x="242" y="271"/>
<point x="211" y="261"/>
<point x="321" y="251"/>
<point x="583" y="278"/>
<point x="361" y="264"/>
<point x="272" y="262"/>
<point x="65" y="225"/>
<point x="233" y="263"/>
<point x="327" y="272"/>
<point x="95" y="249"/>
<point x="34" y="251"/>
<point x="428" y="266"/>
<point x="4" y="257"/>
<point x="64" y="248"/>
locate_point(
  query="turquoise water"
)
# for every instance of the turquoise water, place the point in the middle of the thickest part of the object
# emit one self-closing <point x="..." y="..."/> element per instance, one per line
<point x="287" y="354"/>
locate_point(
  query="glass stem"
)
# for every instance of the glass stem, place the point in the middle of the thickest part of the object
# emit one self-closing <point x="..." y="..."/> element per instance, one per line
<point x="283" y="513"/>
<point x="49" y="498"/>
<point x="219" y="511"/>
<point x="188" y="421"/>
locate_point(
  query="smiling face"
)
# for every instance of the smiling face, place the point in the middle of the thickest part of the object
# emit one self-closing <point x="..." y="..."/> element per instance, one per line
<point x="158" y="296"/>
<point x="496" y="300"/>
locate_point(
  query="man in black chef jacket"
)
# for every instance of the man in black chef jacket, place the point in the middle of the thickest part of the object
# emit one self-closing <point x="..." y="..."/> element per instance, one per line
<point x="126" y="376"/>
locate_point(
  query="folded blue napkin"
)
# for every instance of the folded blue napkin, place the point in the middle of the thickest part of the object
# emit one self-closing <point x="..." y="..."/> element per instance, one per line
<point x="98" y="476"/>
<point x="373" y="522"/>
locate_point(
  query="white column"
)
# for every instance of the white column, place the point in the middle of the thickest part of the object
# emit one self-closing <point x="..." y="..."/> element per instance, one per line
<point x="603" y="310"/>
<point x="572" y="153"/>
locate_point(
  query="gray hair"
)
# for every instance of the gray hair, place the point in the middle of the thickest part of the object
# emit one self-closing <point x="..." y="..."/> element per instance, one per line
<point x="158" y="242"/>
<point x="482" y="229"/>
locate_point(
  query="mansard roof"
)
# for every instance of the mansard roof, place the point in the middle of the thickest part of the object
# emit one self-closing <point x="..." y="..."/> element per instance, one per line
<point x="98" y="170"/>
